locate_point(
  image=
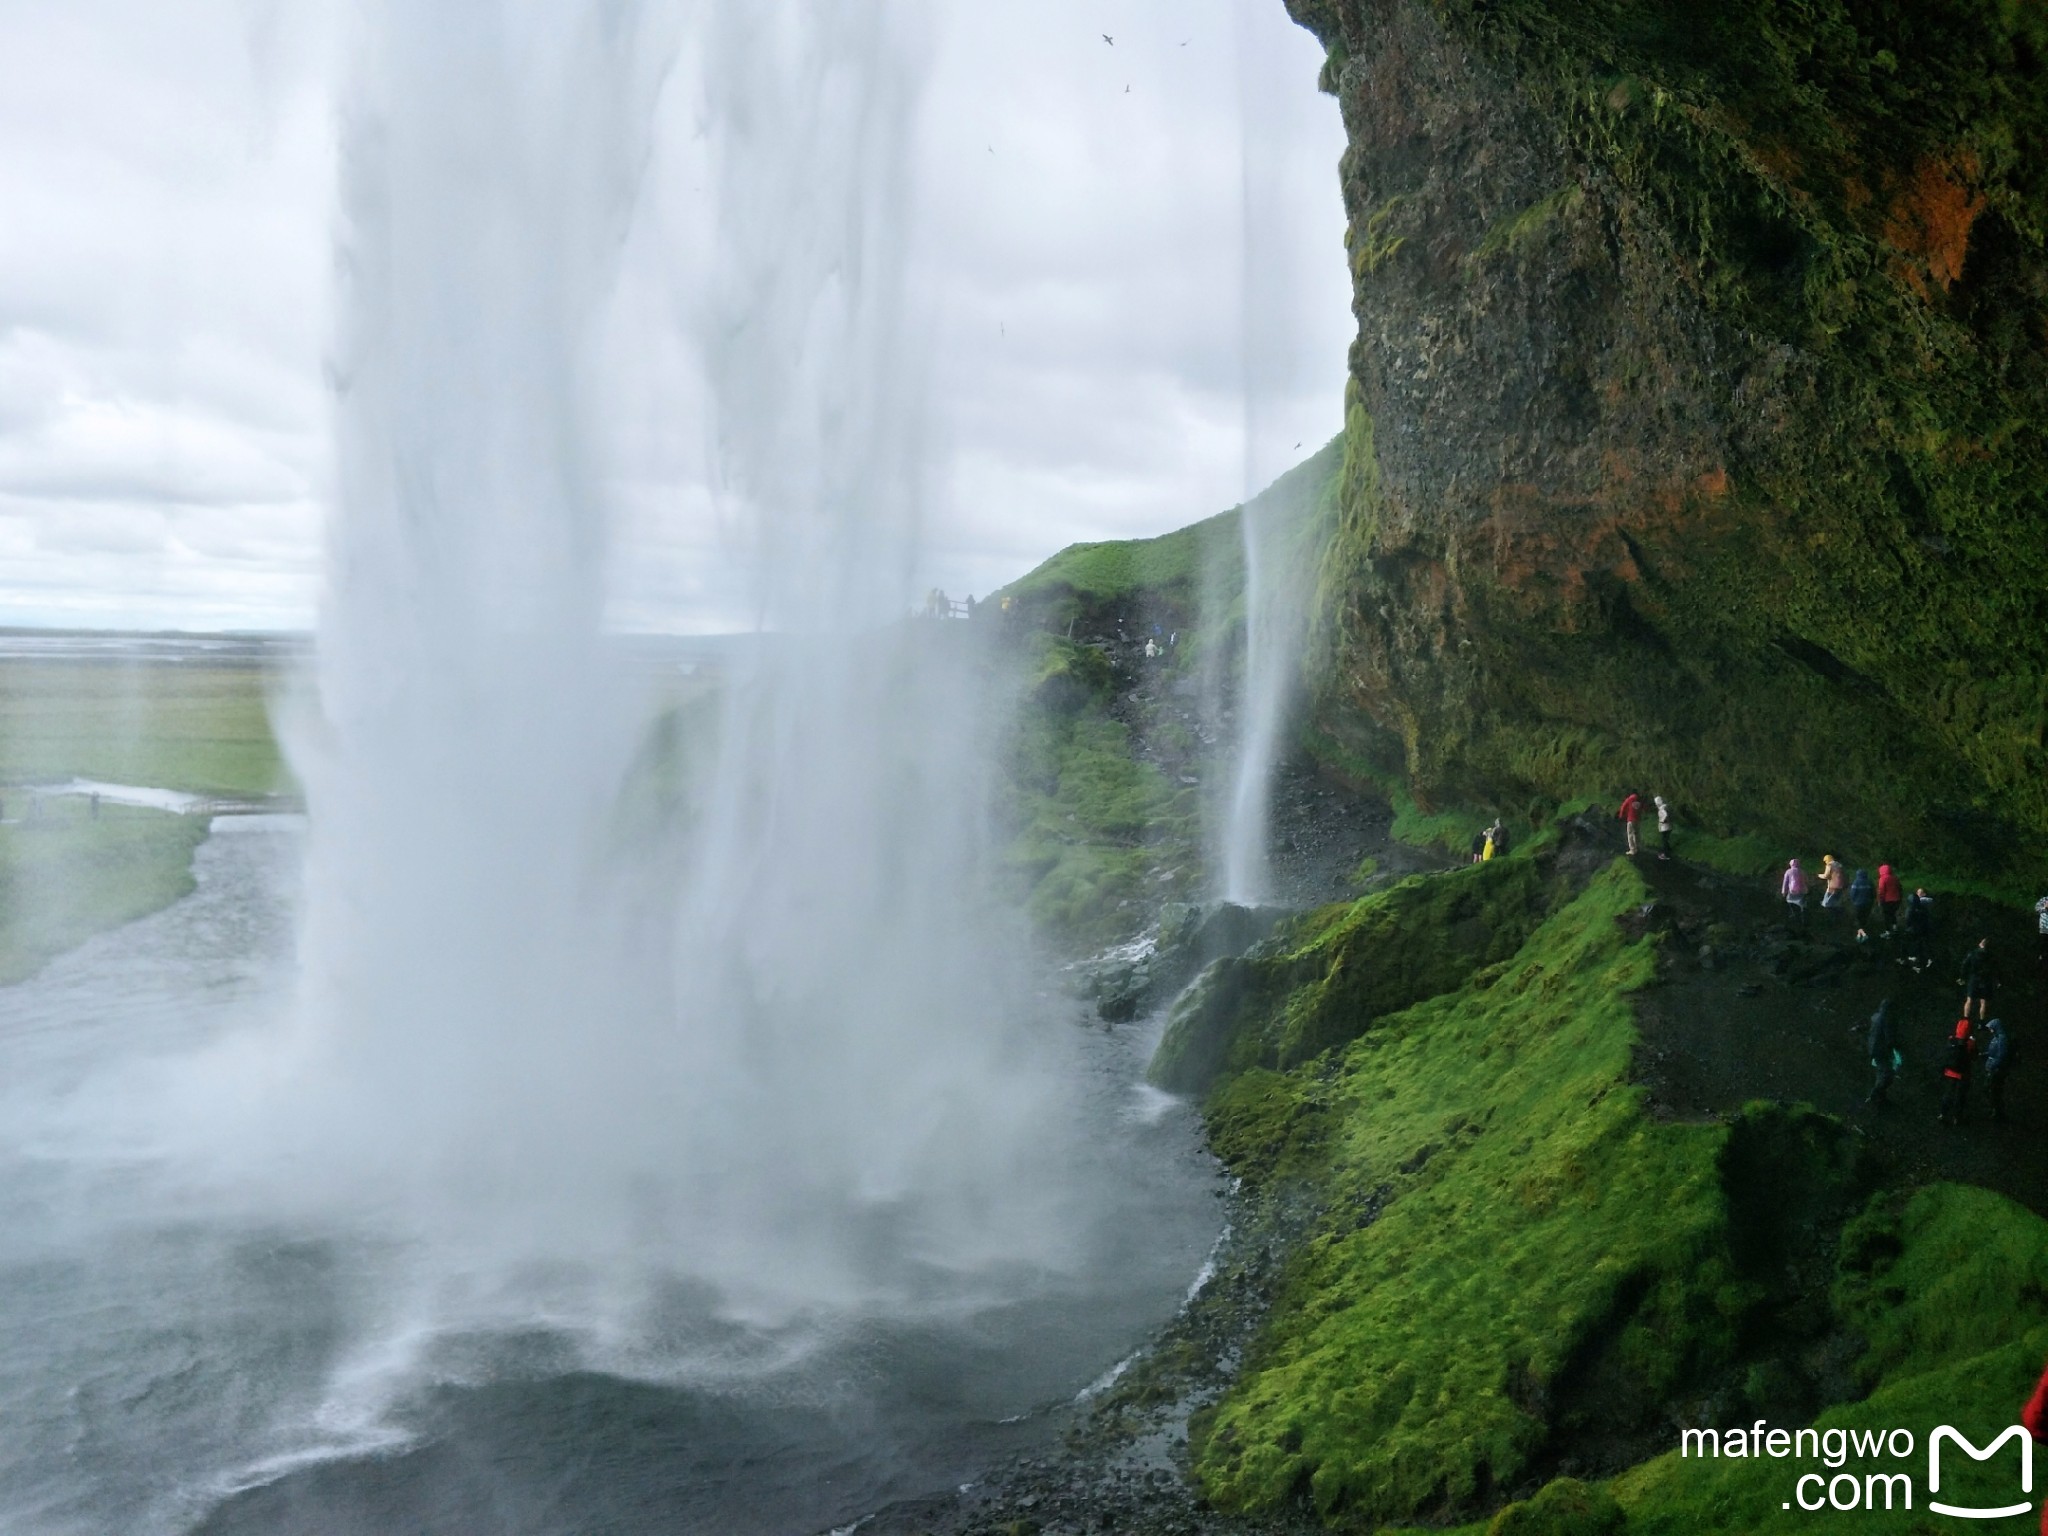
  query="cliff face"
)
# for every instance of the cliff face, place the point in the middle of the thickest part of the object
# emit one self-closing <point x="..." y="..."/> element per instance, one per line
<point x="1694" y="432"/>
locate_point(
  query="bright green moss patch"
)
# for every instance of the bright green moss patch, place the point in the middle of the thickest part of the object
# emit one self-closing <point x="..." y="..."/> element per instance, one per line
<point x="1949" y="1286"/>
<point x="1121" y="568"/>
<point x="1329" y="975"/>
<point x="1566" y="1507"/>
<point x="67" y="875"/>
<point x="1499" y="1205"/>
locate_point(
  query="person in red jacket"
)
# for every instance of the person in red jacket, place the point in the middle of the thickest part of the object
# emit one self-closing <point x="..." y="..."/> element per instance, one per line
<point x="1889" y="894"/>
<point x="2034" y="1418"/>
<point x="1630" y="813"/>
<point x="1955" y="1073"/>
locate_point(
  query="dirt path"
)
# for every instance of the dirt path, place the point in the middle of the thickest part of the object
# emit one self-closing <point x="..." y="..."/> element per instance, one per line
<point x="1770" y="1015"/>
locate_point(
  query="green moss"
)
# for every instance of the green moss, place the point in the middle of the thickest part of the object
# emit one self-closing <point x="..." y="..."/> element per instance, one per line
<point x="1092" y="826"/>
<point x="1122" y="568"/>
<point x="1565" y="1507"/>
<point x="1519" y="228"/>
<point x="68" y="875"/>
<point x="1472" y="1141"/>
<point x="1949" y="1285"/>
<point x="1328" y="976"/>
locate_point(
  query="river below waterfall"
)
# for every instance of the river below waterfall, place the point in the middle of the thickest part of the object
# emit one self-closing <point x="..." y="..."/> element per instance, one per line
<point x="177" y="1359"/>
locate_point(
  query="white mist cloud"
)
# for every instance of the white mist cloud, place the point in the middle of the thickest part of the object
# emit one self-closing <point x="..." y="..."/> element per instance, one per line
<point x="1081" y="266"/>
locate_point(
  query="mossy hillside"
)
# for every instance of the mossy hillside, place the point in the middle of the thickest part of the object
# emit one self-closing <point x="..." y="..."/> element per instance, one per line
<point x="1091" y="827"/>
<point x="1170" y="571"/>
<point x="68" y="875"/>
<point x="1949" y="1286"/>
<point x="1191" y="580"/>
<point x="1771" y="287"/>
<point x="1329" y="975"/>
<point x="1490" y="1178"/>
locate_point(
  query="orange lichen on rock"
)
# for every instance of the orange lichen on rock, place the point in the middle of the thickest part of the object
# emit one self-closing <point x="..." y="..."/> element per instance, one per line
<point x="1930" y="218"/>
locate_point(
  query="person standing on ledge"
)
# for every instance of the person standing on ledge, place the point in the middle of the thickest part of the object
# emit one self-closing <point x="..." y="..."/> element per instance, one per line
<point x="1663" y="827"/>
<point x="1955" y="1075"/>
<point x="1978" y="980"/>
<point x="1997" y="1062"/>
<point x="1792" y="886"/>
<point x="1630" y="813"/>
<point x="1884" y="1060"/>
<point x="1919" y="929"/>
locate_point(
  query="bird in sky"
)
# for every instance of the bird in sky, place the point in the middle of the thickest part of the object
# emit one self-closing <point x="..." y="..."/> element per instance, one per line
<point x="1297" y="445"/>
<point x="1109" y="40"/>
<point x="1127" y="90"/>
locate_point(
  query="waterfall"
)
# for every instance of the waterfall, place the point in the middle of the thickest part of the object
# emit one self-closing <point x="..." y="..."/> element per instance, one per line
<point x="773" y="1048"/>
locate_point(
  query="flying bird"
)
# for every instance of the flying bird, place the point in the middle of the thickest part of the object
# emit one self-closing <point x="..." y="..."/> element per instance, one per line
<point x="1127" y="90"/>
<point x="1109" y="40"/>
<point x="1297" y="445"/>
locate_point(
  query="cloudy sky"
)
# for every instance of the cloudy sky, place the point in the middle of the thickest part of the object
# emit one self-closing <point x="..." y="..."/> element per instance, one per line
<point x="1126" y="276"/>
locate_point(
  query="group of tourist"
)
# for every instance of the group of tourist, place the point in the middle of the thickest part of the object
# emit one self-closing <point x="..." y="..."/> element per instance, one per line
<point x="1491" y="843"/>
<point x="1910" y="918"/>
<point x="1975" y="1048"/>
<point x="1631" y="814"/>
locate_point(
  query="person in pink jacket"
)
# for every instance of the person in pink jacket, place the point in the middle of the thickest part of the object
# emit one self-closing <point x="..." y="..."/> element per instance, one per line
<point x="1792" y="886"/>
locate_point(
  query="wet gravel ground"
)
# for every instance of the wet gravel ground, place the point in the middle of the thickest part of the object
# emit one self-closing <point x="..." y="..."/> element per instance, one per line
<point x="1123" y="1465"/>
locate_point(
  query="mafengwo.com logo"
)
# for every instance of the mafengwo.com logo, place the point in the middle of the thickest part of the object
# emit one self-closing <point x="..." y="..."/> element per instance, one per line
<point x="1851" y="1470"/>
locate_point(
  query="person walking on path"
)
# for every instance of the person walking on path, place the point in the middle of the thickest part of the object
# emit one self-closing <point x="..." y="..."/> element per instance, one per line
<point x="1997" y="1062"/>
<point x="1792" y="886"/>
<point x="1861" y="894"/>
<point x="1663" y="827"/>
<point x="1884" y="1054"/>
<point x="1955" y="1075"/>
<point x="1834" y="883"/>
<point x="1918" y="924"/>
<point x="1979" y="979"/>
<point x="1630" y="813"/>
<point x="1889" y="895"/>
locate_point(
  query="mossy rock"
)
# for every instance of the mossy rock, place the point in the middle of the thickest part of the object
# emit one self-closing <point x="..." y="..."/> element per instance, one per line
<point x="1323" y="978"/>
<point x="1565" y="1507"/>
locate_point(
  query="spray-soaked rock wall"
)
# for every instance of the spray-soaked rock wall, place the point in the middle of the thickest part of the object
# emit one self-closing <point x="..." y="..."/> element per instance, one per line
<point x="1694" y="431"/>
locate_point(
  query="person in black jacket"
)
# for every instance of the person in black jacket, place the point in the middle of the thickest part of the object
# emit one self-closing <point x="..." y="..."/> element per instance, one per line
<point x="1978" y="980"/>
<point x="1883" y="1053"/>
<point x="1917" y="924"/>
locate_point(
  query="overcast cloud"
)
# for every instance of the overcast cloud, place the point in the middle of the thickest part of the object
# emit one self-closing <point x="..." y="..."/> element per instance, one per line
<point x="1116" y="350"/>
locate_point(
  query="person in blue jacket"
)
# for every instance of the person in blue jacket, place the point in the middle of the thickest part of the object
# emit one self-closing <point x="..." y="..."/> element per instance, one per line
<point x="1995" y="1063"/>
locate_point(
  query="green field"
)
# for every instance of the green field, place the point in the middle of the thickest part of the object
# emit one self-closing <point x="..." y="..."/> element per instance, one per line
<point x="183" y="725"/>
<point x="66" y="874"/>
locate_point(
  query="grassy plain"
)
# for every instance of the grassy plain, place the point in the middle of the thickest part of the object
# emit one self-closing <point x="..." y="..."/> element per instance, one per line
<point x="197" y="726"/>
